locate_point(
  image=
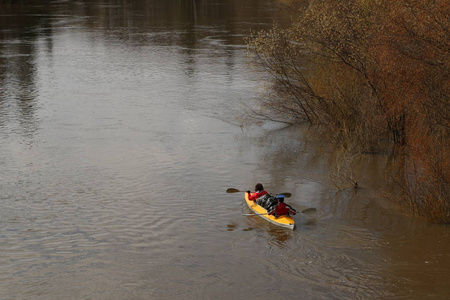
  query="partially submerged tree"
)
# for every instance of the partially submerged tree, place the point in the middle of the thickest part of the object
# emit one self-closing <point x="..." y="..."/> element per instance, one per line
<point x="368" y="71"/>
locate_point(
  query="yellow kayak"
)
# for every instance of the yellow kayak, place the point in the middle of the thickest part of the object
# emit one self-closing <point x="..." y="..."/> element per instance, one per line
<point x="283" y="221"/>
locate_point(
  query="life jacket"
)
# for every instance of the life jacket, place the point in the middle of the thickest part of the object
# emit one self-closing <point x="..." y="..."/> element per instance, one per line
<point x="281" y="209"/>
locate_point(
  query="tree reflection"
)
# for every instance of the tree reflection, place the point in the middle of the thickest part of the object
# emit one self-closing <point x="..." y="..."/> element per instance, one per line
<point x="28" y="28"/>
<point x="23" y="27"/>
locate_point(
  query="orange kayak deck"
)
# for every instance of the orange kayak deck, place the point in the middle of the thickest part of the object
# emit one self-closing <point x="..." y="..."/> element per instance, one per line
<point x="283" y="221"/>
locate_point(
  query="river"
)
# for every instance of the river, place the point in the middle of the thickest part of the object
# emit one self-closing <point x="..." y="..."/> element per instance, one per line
<point x="119" y="135"/>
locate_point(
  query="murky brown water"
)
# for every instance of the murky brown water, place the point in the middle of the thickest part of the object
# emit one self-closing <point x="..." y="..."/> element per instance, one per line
<point x="118" y="139"/>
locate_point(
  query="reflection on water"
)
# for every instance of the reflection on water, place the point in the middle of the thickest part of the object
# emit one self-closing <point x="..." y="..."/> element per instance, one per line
<point x="118" y="141"/>
<point x="197" y="31"/>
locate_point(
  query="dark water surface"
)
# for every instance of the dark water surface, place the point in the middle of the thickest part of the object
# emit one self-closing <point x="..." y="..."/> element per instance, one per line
<point x="118" y="139"/>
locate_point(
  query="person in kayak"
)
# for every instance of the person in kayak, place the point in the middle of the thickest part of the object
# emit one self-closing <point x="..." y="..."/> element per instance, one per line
<point x="282" y="208"/>
<point x="259" y="191"/>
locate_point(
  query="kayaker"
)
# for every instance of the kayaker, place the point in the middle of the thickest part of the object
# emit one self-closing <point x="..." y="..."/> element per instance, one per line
<point x="282" y="208"/>
<point x="259" y="191"/>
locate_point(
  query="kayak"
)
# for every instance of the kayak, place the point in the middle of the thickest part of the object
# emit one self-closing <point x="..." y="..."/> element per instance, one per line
<point x="283" y="221"/>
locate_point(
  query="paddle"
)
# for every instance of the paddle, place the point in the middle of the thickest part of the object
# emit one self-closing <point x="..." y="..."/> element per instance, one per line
<point x="254" y="214"/>
<point x="232" y="190"/>
<point x="305" y="211"/>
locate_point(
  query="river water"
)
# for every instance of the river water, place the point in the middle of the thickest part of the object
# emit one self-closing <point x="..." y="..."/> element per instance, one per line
<point x="119" y="135"/>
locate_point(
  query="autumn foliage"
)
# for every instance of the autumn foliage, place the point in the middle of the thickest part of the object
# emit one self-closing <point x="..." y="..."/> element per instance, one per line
<point x="368" y="72"/>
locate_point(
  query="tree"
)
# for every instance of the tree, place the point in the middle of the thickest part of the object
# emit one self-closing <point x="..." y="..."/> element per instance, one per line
<point x="367" y="71"/>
